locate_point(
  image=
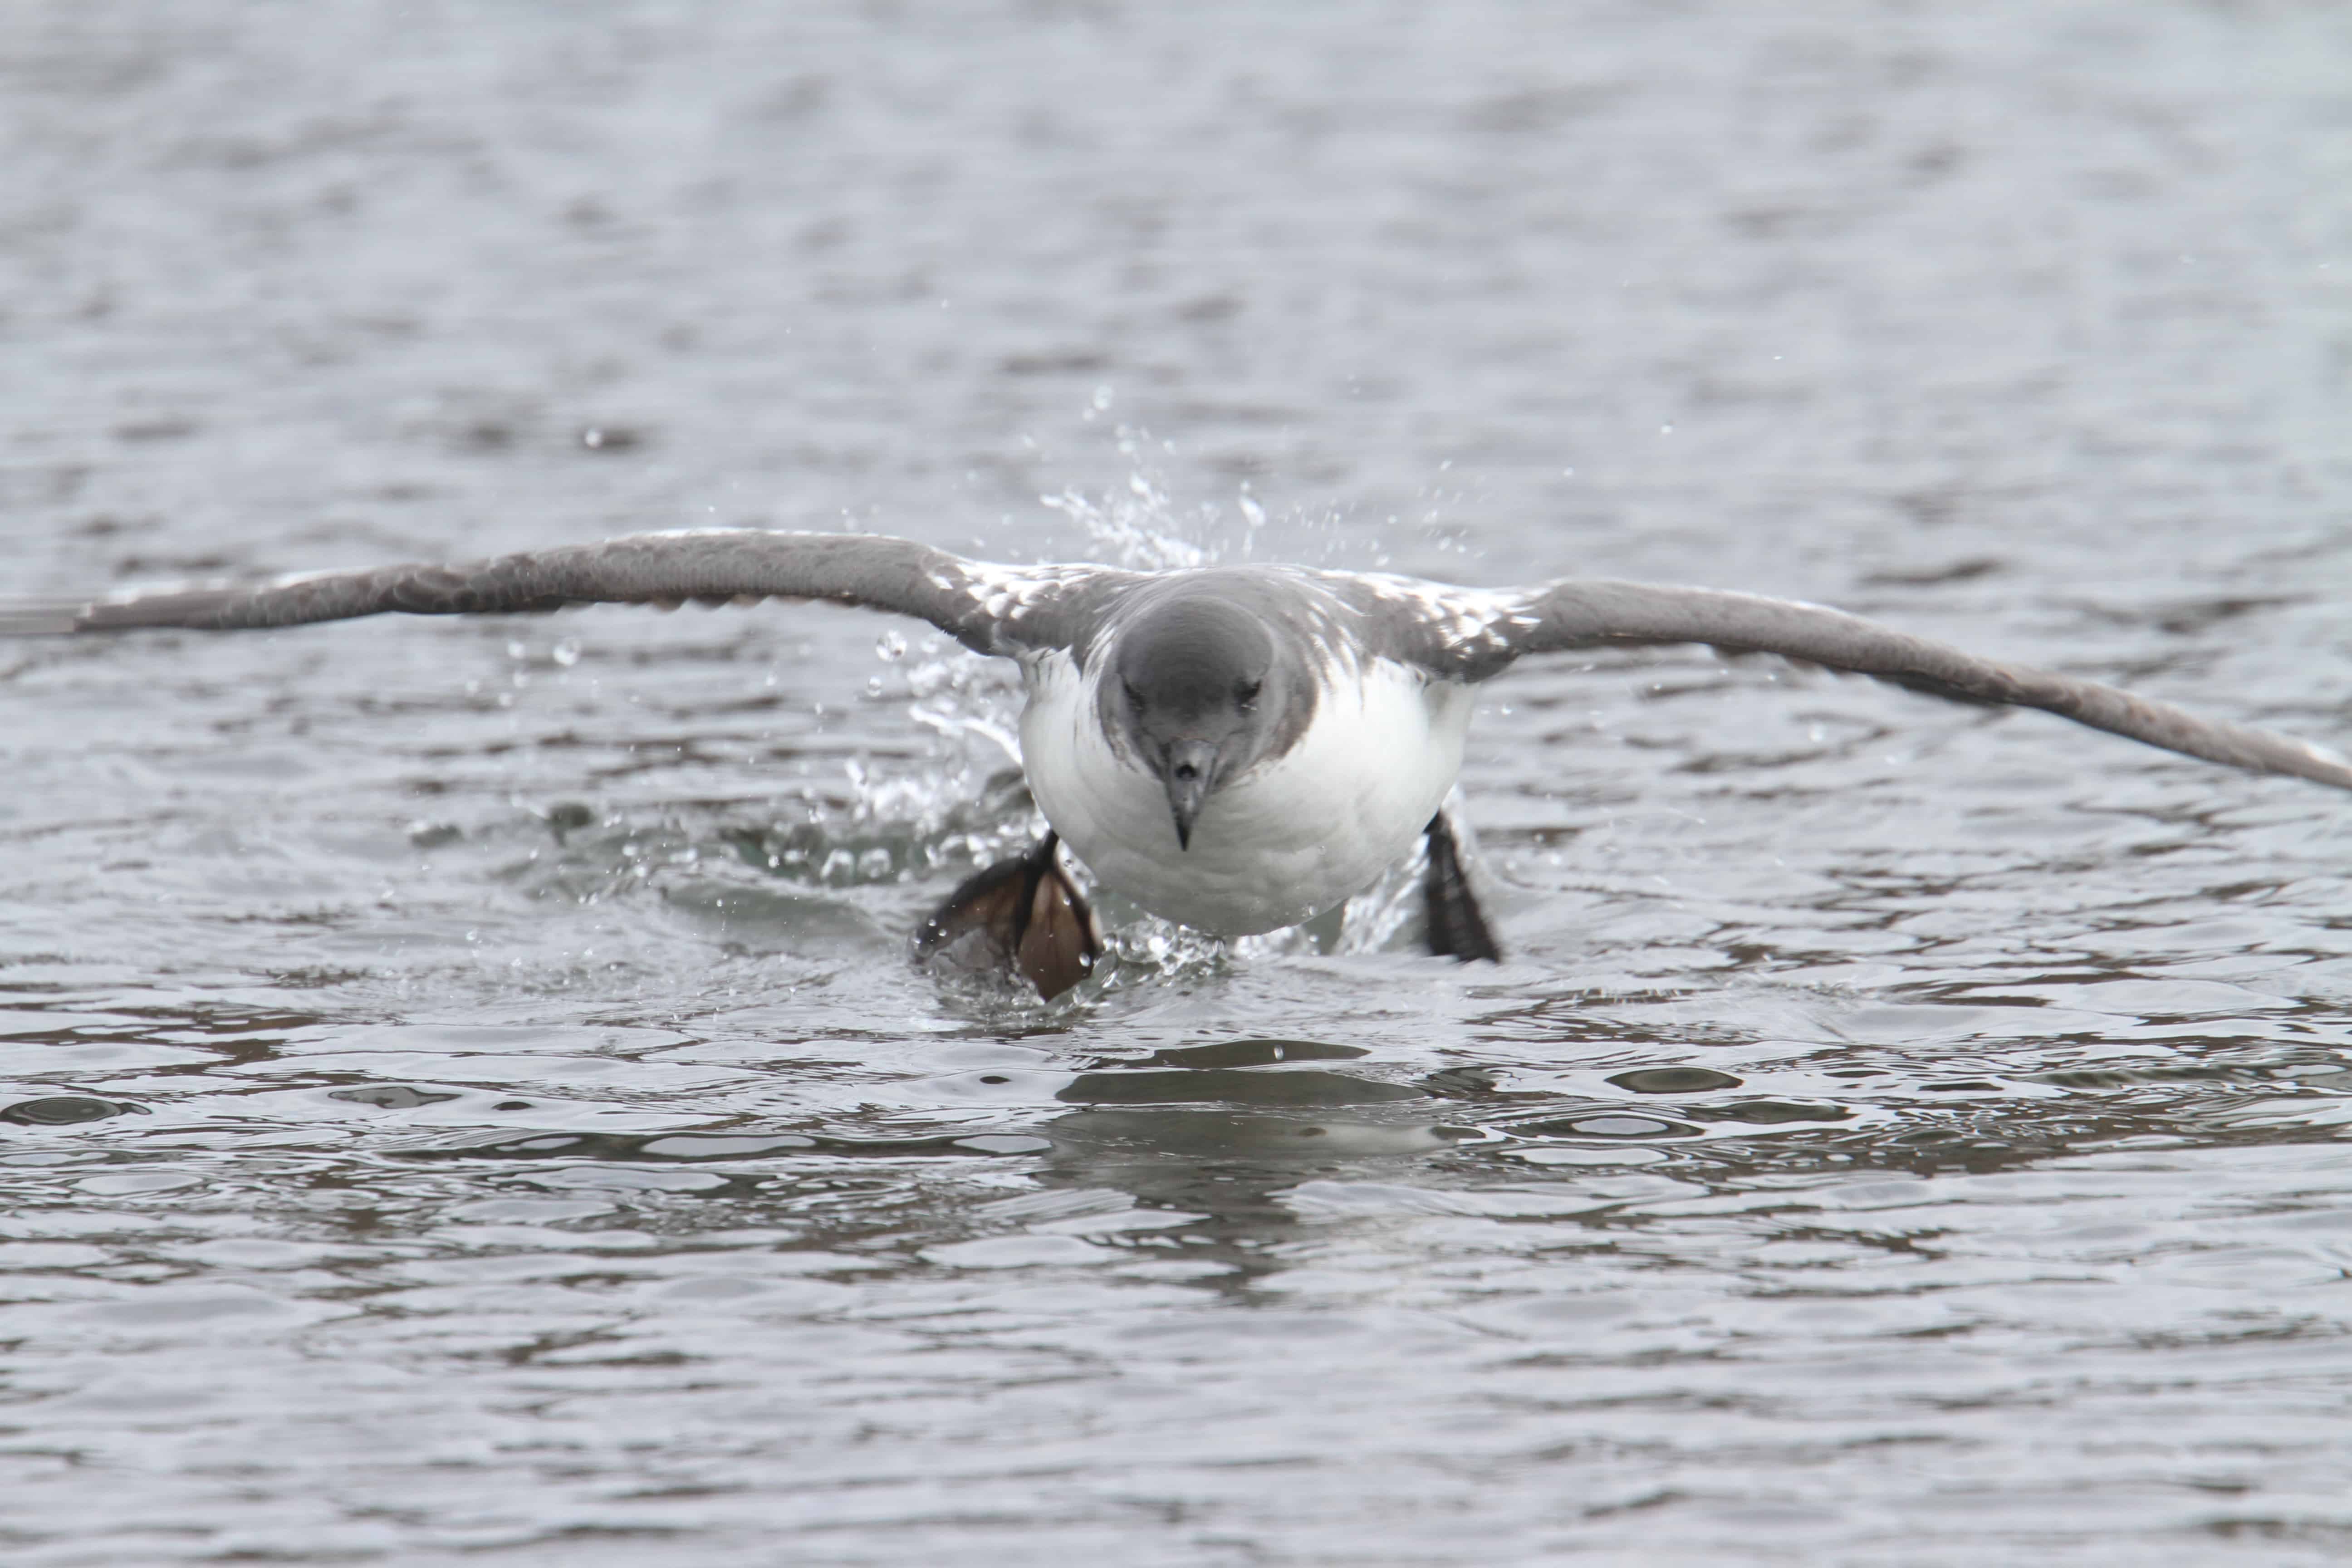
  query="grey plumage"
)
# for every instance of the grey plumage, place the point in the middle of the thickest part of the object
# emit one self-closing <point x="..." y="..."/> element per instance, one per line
<point x="1595" y="614"/>
<point x="1454" y="634"/>
<point x="987" y="609"/>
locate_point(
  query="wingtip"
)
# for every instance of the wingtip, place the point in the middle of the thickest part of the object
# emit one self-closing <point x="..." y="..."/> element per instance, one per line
<point x="2326" y="765"/>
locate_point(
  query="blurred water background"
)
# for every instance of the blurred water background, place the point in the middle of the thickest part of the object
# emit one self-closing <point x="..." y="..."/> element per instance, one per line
<point x="464" y="1095"/>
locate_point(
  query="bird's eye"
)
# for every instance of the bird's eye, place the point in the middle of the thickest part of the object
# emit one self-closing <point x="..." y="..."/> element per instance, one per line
<point x="1245" y="691"/>
<point x="1133" y="696"/>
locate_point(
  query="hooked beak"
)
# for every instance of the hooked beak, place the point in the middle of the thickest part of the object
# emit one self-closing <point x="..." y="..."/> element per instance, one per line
<point x="1191" y="765"/>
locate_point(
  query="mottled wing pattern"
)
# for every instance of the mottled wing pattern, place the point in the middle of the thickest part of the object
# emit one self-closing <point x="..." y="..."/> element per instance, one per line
<point x="1030" y="609"/>
<point x="989" y="608"/>
<point x="1469" y="635"/>
<point x="1459" y="633"/>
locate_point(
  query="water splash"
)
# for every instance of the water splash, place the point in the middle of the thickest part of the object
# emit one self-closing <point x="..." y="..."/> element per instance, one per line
<point x="1143" y="529"/>
<point x="1148" y="949"/>
<point x="961" y="804"/>
<point x="1384" y="915"/>
<point x="1138" y="529"/>
<point x="956" y="801"/>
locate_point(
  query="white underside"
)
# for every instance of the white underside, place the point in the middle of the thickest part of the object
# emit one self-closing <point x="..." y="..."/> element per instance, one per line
<point x="1287" y="840"/>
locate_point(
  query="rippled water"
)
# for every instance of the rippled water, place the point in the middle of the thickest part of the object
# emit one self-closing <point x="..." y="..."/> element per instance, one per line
<point x="464" y="1095"/>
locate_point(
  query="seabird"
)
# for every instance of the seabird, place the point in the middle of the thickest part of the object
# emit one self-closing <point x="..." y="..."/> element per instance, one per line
<point x="1234" y="747"/>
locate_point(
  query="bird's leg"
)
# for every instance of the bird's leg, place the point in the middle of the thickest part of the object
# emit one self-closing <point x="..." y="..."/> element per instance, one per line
<point x="1457" y="927"/>
<point x="1023" y="914"/>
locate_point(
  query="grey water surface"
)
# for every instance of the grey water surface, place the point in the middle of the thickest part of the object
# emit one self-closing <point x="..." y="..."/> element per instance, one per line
<point x="463" y="1093"/>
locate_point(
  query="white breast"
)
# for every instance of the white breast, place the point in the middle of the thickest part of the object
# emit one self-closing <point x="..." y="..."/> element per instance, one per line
<point x="1285" y="842"/>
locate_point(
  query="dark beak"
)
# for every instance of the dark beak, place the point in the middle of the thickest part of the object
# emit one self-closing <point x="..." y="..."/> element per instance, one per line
<point x="1191" y="765"/>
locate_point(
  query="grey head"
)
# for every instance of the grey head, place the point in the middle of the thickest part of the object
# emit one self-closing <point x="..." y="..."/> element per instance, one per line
<point x="1208" y="676"/>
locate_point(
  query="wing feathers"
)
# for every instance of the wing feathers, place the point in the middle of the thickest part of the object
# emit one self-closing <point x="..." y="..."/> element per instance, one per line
<point x="1456" y="633"/>
<point x="1597" y="613"/>
<point x="991" y="609"/>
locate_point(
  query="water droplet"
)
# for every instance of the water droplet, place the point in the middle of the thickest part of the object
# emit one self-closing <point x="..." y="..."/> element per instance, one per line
<point x="566" y="653"/>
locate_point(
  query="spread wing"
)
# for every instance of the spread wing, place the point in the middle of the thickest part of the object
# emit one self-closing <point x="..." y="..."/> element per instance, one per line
<point x="1468" y="634"/>
<point x="988" y="608"/>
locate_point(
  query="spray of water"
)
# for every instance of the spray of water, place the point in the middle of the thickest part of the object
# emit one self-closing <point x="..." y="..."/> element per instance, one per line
<point x="961" y="805"/>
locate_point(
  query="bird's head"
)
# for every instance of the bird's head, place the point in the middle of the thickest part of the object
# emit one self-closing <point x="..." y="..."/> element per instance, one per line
<point x="1200" y="692"/>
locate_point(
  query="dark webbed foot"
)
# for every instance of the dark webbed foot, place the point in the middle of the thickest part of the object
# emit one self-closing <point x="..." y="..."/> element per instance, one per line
<point x="1023" y="914"/>
<point x="1457" y="927"/>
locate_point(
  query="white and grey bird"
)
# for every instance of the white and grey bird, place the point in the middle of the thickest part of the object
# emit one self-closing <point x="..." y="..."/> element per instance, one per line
<point x="1235" y="748"/>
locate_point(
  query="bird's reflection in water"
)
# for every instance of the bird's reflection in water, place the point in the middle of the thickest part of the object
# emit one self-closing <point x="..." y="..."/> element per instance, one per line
<point x="1221" y="1133"/>
<point x="1208" y="1131"/>
<point x="1205" y="1146"/>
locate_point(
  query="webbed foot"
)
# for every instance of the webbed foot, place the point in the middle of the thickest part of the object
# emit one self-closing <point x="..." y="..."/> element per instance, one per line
<point x="1457" y="927"/>
<point x="1024" y="915"/>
